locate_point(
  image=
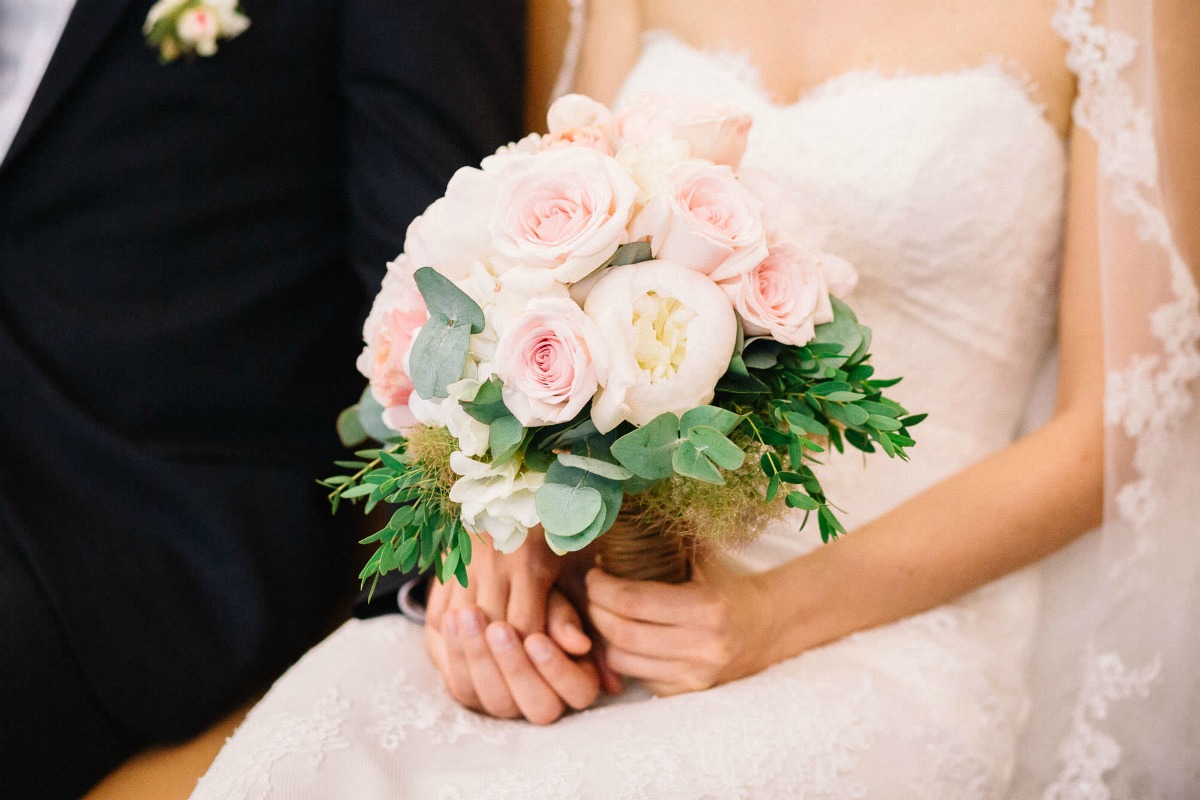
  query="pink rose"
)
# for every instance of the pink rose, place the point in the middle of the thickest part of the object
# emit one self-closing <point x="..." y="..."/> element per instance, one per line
<point x="713" y="132"/>
<point x="552" y="361"/>
<point x="589" y="137"/>
<point x="397" y="314"/>
<point x="784" y="297"/>
<point x="706" y="220"/>
<point x="563" y="210"/>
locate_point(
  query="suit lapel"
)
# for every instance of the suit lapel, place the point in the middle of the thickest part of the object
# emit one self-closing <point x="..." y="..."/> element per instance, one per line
<point x="90" y="23"/>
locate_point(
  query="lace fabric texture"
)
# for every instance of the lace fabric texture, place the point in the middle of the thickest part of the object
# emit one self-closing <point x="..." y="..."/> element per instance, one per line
<point x="1117" y="654"/>
<point x="947" y="192"/>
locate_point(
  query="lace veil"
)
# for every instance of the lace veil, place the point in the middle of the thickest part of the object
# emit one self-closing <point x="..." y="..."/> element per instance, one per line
<point x="1116" y="676"/>
<point x="1116" y="680"/>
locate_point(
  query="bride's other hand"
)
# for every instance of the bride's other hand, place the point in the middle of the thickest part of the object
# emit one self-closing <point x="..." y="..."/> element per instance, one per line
<point x="716" y="628"/>
<point x="488" y="668"/>
<point x="511" y="587"/>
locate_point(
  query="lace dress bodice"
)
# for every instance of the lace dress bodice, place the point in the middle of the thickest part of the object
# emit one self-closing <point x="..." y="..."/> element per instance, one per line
<point x="946" y="192"/>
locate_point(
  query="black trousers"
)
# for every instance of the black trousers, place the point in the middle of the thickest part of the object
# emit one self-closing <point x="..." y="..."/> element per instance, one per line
<point x="56" y="741"/>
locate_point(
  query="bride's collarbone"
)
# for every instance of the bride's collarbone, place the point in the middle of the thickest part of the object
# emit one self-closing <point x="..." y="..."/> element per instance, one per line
<point x="797" y="46"/>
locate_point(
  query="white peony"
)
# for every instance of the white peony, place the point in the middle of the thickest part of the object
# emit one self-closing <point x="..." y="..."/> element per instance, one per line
<point x="671" y="334"/>
<point x="452" y="235"/>
<point x="496" y="500"/>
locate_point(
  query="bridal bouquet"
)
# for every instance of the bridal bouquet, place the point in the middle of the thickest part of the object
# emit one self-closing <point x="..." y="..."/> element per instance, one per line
<point x="609" y="319"/>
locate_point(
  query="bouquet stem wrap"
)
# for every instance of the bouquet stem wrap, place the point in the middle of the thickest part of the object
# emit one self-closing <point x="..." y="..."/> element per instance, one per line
<point x="636" y="548"/>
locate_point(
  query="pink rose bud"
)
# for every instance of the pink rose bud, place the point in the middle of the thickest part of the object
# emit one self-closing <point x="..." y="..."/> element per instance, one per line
<point x="713" y="132"/>
<point x="706" y="220"/>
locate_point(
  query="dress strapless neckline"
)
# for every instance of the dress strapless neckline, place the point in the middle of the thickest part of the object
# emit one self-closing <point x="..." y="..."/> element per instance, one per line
<point x="741" y="67"/>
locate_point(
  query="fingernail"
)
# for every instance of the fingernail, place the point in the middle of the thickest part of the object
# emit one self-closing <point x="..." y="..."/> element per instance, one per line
<point x="468" y="623"/>
<point x="499" y="637"/>
<point x="450" y="625"/>
<point x="539" y="649"/>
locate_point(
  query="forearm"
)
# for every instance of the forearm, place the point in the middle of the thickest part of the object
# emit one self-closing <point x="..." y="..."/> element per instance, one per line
<point x="994" y="517"/>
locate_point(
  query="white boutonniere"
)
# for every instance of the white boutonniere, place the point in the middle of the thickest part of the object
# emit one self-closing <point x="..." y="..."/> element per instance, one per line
<point x="192" y="27"/>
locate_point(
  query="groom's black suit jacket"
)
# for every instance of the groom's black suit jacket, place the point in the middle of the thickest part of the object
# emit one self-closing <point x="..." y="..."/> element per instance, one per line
<point x="185" y="255"/>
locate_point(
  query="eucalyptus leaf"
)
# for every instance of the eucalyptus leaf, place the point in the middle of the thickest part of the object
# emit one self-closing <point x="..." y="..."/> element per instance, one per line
<point x="370" y="416"/>
<point x="438" y="356"/>
<point x="646" y="451"/>
<point x="443" y="297"/>
<point x="806" y="424"/>
<point x="504" y="438"/>
<point x="713" y="444"/>
<point x="566" y="511"/>
<point x="844" y="397"/>
<point x="721" y="419"/>
<point x="604" y="469"/>
<point x="632" y="253"/>
<point x="611" y="494"/>
<point x="844" y="331"/>
<point x="349" y="428"/>
<point x="761" y="353"/>
<point x="488" y="405"/>
<point x="688" y="461"/>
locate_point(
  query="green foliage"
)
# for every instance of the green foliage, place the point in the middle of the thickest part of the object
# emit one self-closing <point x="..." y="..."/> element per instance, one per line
<point x="363" y="421"/>
<point x="424" y="532"/>
<point x="488" y="405"/>
<point x="819" y="395"/>
<point x="693" y="446"/>
<point x="646" y="451"/>
<point x="632" y="253"/>
<point x="567" y="497"/>
<point x="440" y="350"/>
<point x="505" y="435"/>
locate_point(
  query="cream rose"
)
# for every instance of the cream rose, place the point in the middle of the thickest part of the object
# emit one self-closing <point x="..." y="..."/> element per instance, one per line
<point x="712" y="132"/>
<point x="577" y="111"/>
<point x="552" y="361"/>
<point x="706" y="220"/>
<point x="452" y="235"/>
<point x="396" y="315"/>
<point x="671" y="334"/>
<point x="784" y="297"/>
<point x="496" y="500"/>
<point x="563" y="210"/>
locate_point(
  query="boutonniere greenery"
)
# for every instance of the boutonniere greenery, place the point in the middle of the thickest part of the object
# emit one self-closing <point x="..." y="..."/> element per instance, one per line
<point x="190" y="28"/>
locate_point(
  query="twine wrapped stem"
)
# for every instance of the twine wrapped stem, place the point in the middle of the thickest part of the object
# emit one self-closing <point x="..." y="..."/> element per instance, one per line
<point x="641" y="550"/>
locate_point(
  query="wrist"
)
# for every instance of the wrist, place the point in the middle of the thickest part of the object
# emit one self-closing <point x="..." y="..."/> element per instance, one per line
<point x="798" y="594"/>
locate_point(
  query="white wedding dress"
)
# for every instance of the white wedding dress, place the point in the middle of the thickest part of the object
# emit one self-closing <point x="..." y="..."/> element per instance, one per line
<point x="946" y="191"/>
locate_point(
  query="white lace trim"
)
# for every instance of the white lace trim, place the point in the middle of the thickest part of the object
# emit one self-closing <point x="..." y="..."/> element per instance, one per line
<point x="1148" y="398"/>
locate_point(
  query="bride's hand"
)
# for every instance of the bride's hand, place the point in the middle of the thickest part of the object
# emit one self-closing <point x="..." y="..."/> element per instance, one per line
<point x="488" y="668"/>
<point x="716" y="628"/>
<point x="511" y="587"/>
<point x="474" y="635"/>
